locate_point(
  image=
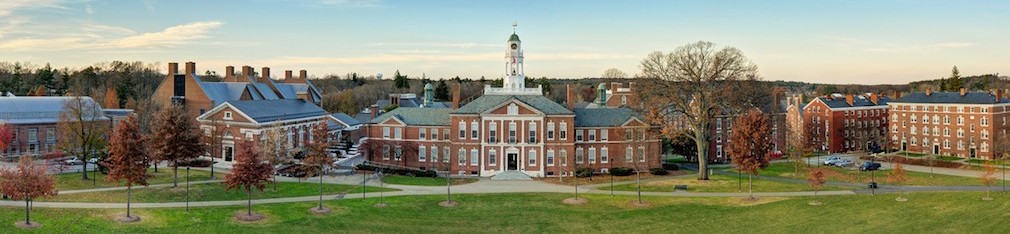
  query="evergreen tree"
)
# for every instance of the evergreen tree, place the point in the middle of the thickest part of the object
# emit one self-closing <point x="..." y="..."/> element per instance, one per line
<point x="955" y="83"/>
<point x="546" y="84"/>
<point x="45" y="76"/>
<point x="442" y="91"/>
<point x="400" y="81"/>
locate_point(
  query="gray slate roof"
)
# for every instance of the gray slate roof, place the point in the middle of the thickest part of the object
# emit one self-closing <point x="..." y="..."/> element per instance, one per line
<point x="350" y="121"/>
<point x="274" y="110"/>
<point x="40" y="110"/>
<point x="952" y="97"/>
<point x="603" y="117"/>
<point x="538" y="102"/>
<point x="418" y="116"/>
<point x="858" y="101"/>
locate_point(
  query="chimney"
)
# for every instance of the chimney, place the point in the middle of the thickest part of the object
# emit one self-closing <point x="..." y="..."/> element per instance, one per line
<point x="614" y="86"/>
<point x="828" y="96"/>
<point x="569" y="97"/>
<point x="849" y="100"/>
<point x="173" y="68"/>
<point x="963" y="91"/>
<point x="999" y="95"/>
<point x="229" y="71"/>
<point x="374" y="110"/>
<point x="303" y="75"/>
<point x="929" y="91"/>
<point x="455" y="96"/>
<point x="631" y="85"/>
<point x="246" y="72"/>
<point x="799" y="99"/>
<point x="874" y="98"/>
<point x="897" y="94"/>
<point x="190" y="68"/>
<point x="287" y="74"/>
<point x="266" y="72"/>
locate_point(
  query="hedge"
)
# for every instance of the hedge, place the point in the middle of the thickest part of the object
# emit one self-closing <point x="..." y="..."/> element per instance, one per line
<point x="658" y="171"/>
<point x="584" y="172"/>
<point x="915" y="161"/>
<point x="622" y="171"/>
<point x="671" y="167"/>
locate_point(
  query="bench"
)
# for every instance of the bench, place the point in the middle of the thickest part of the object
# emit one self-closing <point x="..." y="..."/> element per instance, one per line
<point x="680" y="187"/>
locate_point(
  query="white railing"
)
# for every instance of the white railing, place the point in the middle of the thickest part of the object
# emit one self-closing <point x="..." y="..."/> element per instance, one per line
<point x="488" y="90"/>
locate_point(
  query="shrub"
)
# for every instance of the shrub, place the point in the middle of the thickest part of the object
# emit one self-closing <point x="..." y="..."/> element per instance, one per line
<point x="914" y="161"/>
<point x="398" y="171"/>
<point x="658" y="171"/>
<point x="671" y="167"/>
<point x="622" y="171"/>
<point x="584" y="172"/>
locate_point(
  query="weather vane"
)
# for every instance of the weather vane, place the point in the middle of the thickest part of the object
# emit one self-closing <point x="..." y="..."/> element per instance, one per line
<point x="514" y="25"/>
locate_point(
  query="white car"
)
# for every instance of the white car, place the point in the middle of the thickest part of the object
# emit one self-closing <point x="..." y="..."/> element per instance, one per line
<point x="73" y="161"/>
<point x="832" y="160"/>
<point x="844" y="163"/>
<point x="93" y="160"/>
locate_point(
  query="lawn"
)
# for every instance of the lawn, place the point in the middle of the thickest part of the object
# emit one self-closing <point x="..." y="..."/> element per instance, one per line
<point x="212" y="192"/>
<point x="787" y="170"/>
<point x="424" y="181"/>
<point x="949" y="158"/>
<point x="718" y="183"/>
<point x="605" y="178"/>
<point x="911" y="154"/>
<point x="544" y="213"/>
<point x="73" y="181"/>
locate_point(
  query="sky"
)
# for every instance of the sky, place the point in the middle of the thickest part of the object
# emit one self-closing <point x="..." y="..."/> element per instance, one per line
<point x="850" y="42"/>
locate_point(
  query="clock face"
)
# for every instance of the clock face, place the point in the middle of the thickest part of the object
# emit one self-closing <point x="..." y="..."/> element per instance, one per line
<point x="514" y="46"/>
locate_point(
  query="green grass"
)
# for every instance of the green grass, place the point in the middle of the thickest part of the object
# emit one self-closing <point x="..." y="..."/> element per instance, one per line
<point x="212" y="192"/>
<point x="787" y="170"/>
<point x="718" y="183"/>
<point x="911" y="154"/>
<point x="545" y="213"/>
<point x="949" y="158"/>
<point x="424" y="181"/>
<point x="73" y="181"/>
<point x="676" y="159"/>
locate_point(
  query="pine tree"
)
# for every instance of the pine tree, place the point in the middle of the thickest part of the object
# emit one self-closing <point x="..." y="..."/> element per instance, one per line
<point x="442" y="91"/>
<point x="176" y="138"/>
<point x="128" y="158"/>
<point x="400" y="81"/>
<point x="955" y="83"/>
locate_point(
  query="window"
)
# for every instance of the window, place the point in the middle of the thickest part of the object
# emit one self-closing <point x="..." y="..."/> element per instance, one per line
<point x="624" y="100"/>
<point x="513" y="109"/>
<point x="960" y="120"/>
<point x="421" y="154"/>
<point x="936" y="119"/>
<point x="492" y="157"/>
<point x="532" y="156"/>
<point x="434" y="134"/>
<point x="33" y="135"/>
<point x="421" y="134"/>
<point x="985" y="134"/>
<point x="578" y="155"/>
<point x="550" y="131"/>
<point x="445" y="151"/>
<point x="462" y="157"/>
<point x="227" y="115"/>
<point x="385" y="152"/>
<point x="604" y="156"/>
<point x="641" y="154"/>
<point x="397" y="153"/>
<point x="603" y="134"/>
<point x="462" y="130"/>
<point x="533" y="133"/>
<point x="434" y="153"/>
<point x="564" y="157"/>
<point x="985" y="121"/>
<point x="445" y="134"/>
<point x="564" y="130"/>
<point x="592" y="155"/>
<point x="398" y="133"/>
<point x="493" y="132"/>
<point x="629" y="134"/>
<point x="474" y="157"/>
<point x="550" y="157"/>
<point x="512" y="132"/>
<point x="578" y="135"/>
<point x="629" y="155"/>
<point x="473" y="130"/>
<point x="50" y="134"/>
<point x="592" y="134"/>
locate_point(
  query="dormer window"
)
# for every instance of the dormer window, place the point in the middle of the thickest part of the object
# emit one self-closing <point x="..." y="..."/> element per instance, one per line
<point x="513" y="109"/>
<point x="227" y="115"/>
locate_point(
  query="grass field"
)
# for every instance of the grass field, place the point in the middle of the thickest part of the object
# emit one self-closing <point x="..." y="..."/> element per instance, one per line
<point x="911" y="154"/>
<point x="855" y="176"/>
<point x="211" y="192"/>
<point x="718" y="183"/>
<point x="424" y="181"/>
<point x="605" y="178"/>
<point x="72" y="181"/>
<point x="544" y="213"/>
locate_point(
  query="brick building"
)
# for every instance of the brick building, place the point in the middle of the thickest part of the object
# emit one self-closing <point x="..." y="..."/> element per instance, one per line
<point x="848" y="122"/>
<point x="34" y="121"/>
<point x="516" y="130"/>
<point x="961" y="124"/>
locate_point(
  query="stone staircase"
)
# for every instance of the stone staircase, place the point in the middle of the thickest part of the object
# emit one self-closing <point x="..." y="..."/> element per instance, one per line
<point x="511" y="175"/>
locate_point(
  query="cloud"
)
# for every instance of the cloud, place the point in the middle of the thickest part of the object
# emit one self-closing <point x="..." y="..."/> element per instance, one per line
<point x="175" y="35"/>
<point x="88" y="10"/>
<point x="464" y="45"/>
<point x="7" y="7"/>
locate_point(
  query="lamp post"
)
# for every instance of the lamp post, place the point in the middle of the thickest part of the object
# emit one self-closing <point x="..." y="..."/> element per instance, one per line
<point x="611" y="176"/>
<point x="187" y="189"/>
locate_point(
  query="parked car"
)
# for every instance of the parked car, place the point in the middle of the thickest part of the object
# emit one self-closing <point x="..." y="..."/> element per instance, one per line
<point x="73" y="161"/>
<point x="93" y="160"/>
<point x="832" y="160"/>
<point x="844" y="163"/>
<point x="869" y="166"/>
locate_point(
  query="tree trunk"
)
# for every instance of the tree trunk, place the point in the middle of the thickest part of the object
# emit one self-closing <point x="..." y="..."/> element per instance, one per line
<point x="249" y="203"/>
<point x="155" y="167"/>
<point x="750" y="185"/>
<point x="275" y="182"/>
<point x="27" y="212"/>
<point x="320" y="192"/>
<point x="702" y="144"/>
<point x="639" y="187"/>
<point x="175" y="173"/>
<point x="128" y="194"/>
<point x="84" y="171"/>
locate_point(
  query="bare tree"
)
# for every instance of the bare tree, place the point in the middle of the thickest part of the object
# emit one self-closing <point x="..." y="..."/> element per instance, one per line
<point x="816" y="179"/>
<point x="26" y="182"/>
<point x="82" y="129"/>
<point x="274" y="149"/>
<point x="898" y="176"/>
<point x="696" y="81"/>
<point x="1001" y="150"/>
<point x="988" y="177"/>
<point x="213" y="138"/>
<point x="614" y="73"/>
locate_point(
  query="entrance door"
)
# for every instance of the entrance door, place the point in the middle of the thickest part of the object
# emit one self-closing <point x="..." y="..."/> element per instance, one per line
<point x="936" y="149"/>
<point x="513" y="162"/>
<point x="228" y="150"/>
<point x="972" y="152"/>
<point x="904" y="146"/>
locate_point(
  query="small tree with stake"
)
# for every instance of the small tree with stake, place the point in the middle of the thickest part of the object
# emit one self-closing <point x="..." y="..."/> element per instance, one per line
<point x="249" y="171"/>
<point x="176" y="138"/>
<point x="816" y="178"/>
<point x="750" y="144"/>
<point x="988" y="176"/>
<point x="26" y="182"/>
<point x="897" y="177"/>
<point x="319" y="161"/>
<point x="128" y="160"/>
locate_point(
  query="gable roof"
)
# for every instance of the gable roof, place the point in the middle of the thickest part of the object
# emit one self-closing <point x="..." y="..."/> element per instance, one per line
<point x="486" y="102"/>
<point x="346" y="119"/>
<point x="604" y="117"/>
<point x="952" y="97"/>
<point x="857" y="101"/>
<point x="275" y="110"/>
<point x="417" y="116"/>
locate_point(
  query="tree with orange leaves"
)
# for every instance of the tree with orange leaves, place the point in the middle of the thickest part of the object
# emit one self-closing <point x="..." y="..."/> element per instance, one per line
<point x="128" y="159"/>
<point x="988" y="176"/>
<point x="897" y="176"/>
<point x="249" y="172"/>
<point x="750" y="145"/>
<point x="26" y="182"/>
<point x="816" y="178"/>
<point x="6" y="136"/>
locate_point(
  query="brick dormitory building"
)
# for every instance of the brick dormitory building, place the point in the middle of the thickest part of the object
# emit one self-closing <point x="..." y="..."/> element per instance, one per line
<point x="961" y="124"/>
<point x="514" y="129"/>
<point x="849" y="122"/>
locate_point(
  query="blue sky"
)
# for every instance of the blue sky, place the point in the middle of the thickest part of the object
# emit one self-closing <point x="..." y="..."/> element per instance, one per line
<point x="815" y="41"/>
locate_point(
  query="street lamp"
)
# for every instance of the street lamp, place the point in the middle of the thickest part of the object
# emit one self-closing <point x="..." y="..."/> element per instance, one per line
<point x="187" y="189"/>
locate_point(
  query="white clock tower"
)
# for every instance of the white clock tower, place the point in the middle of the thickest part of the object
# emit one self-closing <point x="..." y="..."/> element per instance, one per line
<point x="515" y="79"/>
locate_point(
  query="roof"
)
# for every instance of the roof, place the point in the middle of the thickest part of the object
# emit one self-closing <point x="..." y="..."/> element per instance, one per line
<point x="417" y="116"/>
<point x="275" y="110"/>
<point x="39" y="110"/>
<point x="603" y="117"/>
<point x="363" y="117"/>
<point x="221" y="92"/>
<point x="857" y="100"/>
<point x="538" y="102"/>
<point x="514" y="37"/>
<point x="952" y="97"/>
<point x="347" y="119"/>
